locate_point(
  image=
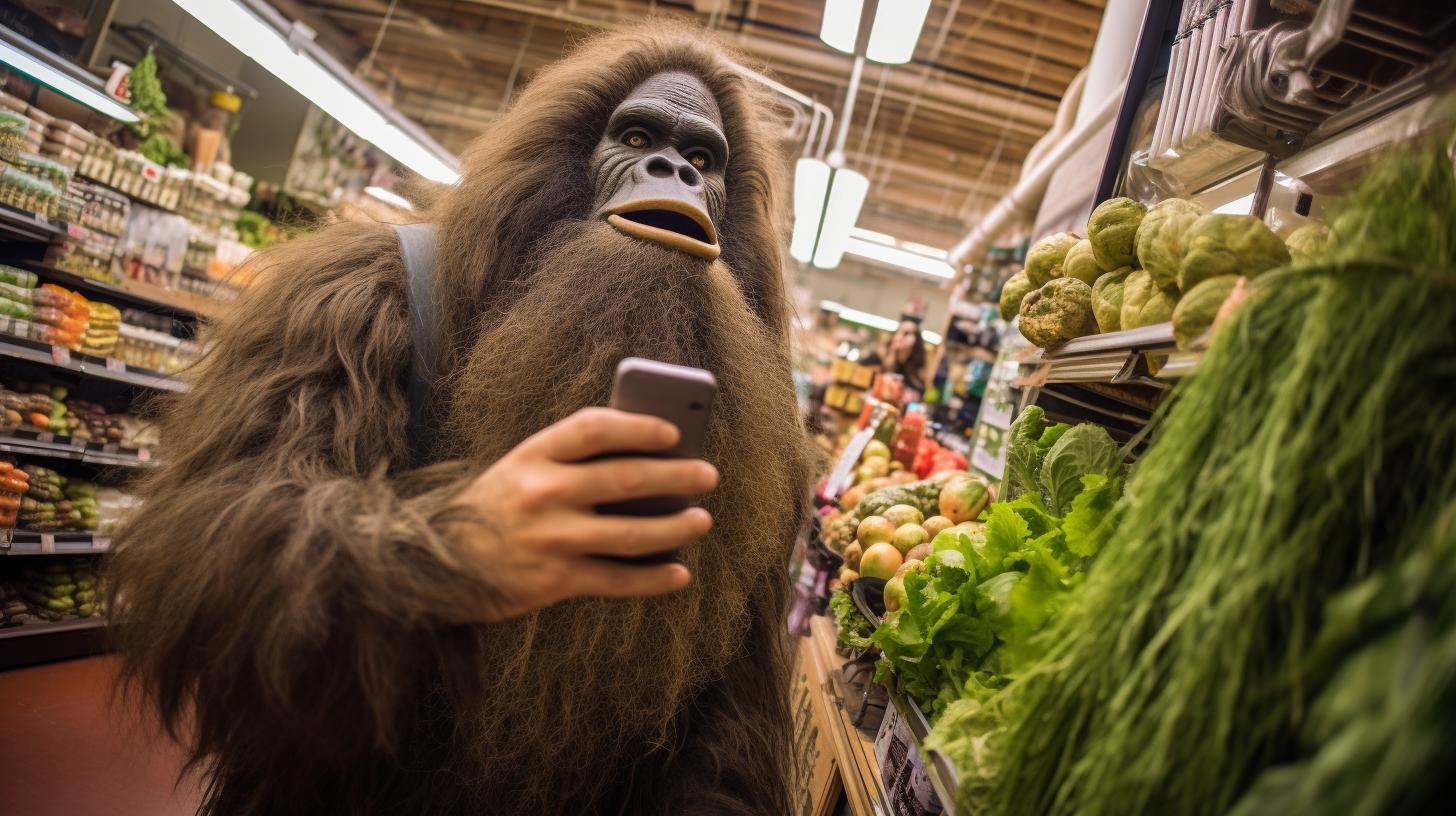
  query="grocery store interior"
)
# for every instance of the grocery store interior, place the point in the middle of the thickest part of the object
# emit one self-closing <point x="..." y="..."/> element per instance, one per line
<point x="1076" y="377"/>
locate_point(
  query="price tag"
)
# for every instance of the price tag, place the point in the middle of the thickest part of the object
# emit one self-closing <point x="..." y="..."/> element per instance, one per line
<point x="78" y="444"/>
<point x="41" y="218"/>
<point x="77" y="231"/>
<point x="843" y="476"/>
<point x="47" y="544"/>
<point x="100" y="543"/>
<point x="61" y="355"/>
<point x="144" y="455"/>
<point x="110" y="447"/>
<point x="45" y="437"/>
<point x="113" y="364"/>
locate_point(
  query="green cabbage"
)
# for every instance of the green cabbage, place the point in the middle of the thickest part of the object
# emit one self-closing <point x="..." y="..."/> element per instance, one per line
<point x="1044" y="259"/>
<point x="1221" y="244"/>
<point x="1058" y="312"/>
<point x="1081" y="263"/>
<point x="1012" y="291"/>
<point x="1144" y="304"/>
<point x="1113" y="231"/>
<point x="1107" y="299"/>
<point x="1160" y="238"/>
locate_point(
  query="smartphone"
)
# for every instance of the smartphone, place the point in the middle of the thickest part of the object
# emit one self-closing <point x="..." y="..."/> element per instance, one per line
<point x="678" y="394"/>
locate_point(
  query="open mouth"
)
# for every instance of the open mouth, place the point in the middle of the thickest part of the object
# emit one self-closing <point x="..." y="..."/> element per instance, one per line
<point x="669" y="222"/>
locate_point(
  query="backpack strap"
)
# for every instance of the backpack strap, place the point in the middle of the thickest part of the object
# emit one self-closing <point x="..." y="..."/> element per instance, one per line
<point x="417" y="246"/>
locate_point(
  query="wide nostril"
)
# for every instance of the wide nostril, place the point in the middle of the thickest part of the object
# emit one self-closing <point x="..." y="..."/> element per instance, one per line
<point x="659" y="167"/>
<point x="689" y="175"/>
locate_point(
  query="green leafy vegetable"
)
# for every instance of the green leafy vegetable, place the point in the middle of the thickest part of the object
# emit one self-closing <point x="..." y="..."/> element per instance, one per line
<point x="1313" y="446"/>
<point x="1082" y="451"/>
<point x="1030" y="439"/>
<point x="854" y="629"/>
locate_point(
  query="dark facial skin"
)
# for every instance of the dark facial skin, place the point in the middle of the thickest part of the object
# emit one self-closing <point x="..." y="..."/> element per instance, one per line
<point x="664" y="142"/>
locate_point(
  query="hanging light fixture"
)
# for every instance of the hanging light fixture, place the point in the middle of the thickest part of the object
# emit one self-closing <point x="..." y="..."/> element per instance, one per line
<point x="811" y="184"/>
<point x="846" y="196"/>
<point x="294" y="58"/>
<point x="61" y="81"/>
<point x="893" y="35"/>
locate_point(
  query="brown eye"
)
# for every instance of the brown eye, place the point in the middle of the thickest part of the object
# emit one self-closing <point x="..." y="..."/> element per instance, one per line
<point x="636" y="139"/>
<point x="698" y="160"/>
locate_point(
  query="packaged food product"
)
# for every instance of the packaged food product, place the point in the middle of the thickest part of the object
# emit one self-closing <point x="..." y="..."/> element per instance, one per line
<point x="13" y="129"/>
<point x="13" y="103"/>
<point x="17" y="294"/>
<point x="61" y="153"/>
<point x="17" y="277"/>
<point x="24" y="191"/>
<point x="44" y="167"/>
<point x="71" y="135"/>
<point x="39" y="116"/>
<point x="15" y="309"/>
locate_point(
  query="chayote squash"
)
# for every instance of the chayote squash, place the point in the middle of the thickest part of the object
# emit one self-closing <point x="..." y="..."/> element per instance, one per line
<point x="1057" y="312"/>
<point x="1221" y="244"/>
<point x="1199" y="306"/>
<point x="1160" y="238"/>
<point x="1144" y="304"/>
<point x="1112" y="229"/>
<point x="1013" y="290"/>
<point x="1107" y="299"/>
<point x="1308" y="243"/>
<point x="1044" y="259"/>
<point x="1081" y="263"/>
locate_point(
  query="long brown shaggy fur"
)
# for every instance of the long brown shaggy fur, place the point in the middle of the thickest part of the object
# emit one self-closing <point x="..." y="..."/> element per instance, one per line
<point x="290" y="600"/>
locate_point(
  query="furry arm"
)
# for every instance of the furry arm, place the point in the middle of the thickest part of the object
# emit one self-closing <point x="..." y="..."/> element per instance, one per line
<point x="280" y="576"/>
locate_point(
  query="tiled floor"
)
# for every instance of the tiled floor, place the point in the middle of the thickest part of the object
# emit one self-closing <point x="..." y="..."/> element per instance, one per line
<point x="64" y="750"/>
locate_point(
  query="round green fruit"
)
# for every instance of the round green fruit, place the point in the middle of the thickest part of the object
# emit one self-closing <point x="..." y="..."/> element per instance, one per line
<point x="936" y="524"/>
<point x="1107" y="299"/>
<point x="1112" y="229"/>
<point x="964" y="499"/>
<point x="902" y="514"/>
<point x="1160" y="238"/>
<point x="874" y="530"/>
<point x="1198" y="308"/>
<point x="1223" y="244"/>
<point x="875" y="450"/>
<point x="909" y="536"/>
<point x="1012" y="292"/>
<point x="1081" y="263"/>
<point x="1044" y="259"/>
<point x="880" y="561"/>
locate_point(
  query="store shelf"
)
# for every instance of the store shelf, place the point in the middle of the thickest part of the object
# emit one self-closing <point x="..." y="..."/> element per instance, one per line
<point x="51" y="446"/>
<point x="26" y="542"/>
<point x="133" y="197"/>
<point x="938" y="767"/>
<point x="51" y="627"/>
<point x="111" y="293"/>
<point x="1116" y="357"/>
<point x="19" y="225"/>
<point x="43" y="641"/>
<point x="854" y="752"/>
<point x="106" y="369"/>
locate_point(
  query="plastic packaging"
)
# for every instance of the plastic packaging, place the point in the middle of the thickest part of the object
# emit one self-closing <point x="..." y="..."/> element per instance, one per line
<point x="13" y="130"/>
<point x="39" y="116"/>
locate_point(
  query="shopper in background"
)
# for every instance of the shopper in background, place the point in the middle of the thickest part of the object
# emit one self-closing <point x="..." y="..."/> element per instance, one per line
<point x="906" y="357"/>
<point x="333" y="630"/>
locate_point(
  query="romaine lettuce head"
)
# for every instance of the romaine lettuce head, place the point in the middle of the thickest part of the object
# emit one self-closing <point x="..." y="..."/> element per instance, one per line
<point x="1082" y="451"/>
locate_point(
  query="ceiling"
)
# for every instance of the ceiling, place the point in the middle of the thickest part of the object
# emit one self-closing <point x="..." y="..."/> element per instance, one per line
<point x="942" y="138"/>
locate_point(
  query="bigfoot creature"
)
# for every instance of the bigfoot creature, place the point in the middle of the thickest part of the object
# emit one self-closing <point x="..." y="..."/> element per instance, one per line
<point x="314" y="615"/>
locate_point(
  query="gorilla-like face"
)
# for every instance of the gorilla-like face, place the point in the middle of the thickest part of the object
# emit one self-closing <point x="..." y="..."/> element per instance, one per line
<point x="659" y="165"/>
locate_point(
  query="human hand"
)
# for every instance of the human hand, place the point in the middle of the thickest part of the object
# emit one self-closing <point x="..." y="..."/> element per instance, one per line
<point x="533" y="513"/>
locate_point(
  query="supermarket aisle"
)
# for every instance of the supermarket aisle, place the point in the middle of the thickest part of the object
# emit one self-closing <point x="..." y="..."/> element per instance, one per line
<point x="67" y="753"/>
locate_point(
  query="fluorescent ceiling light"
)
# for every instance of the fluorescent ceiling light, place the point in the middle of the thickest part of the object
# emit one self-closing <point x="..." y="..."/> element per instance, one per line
<point x="270" y="49"/>
<point x="811" y="182"/>
<point x="1238" y="206"/>
<point x="875" y="237"/>
<point x="899" y="257"/>
<point x="389" y="198"/>
<point x="840" y="28"/>
<point x="922" y="249"/>
<point x="60" y="82"/>
<point x="874" y="321"/>
<point x="896" y="31"/>
<point x="846" y="196"/>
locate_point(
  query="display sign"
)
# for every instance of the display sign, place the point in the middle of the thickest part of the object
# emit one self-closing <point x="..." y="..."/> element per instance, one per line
<point x="998" y="408"/>
<point x="907" y="784"/>
<point x="843" y="476"/>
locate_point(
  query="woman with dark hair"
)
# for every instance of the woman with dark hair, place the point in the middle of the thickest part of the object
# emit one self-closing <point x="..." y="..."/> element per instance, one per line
<point x="906" y="357"/>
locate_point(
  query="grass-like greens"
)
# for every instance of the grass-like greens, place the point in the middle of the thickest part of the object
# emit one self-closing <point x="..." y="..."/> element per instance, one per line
<point x="1315" y="445"/>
